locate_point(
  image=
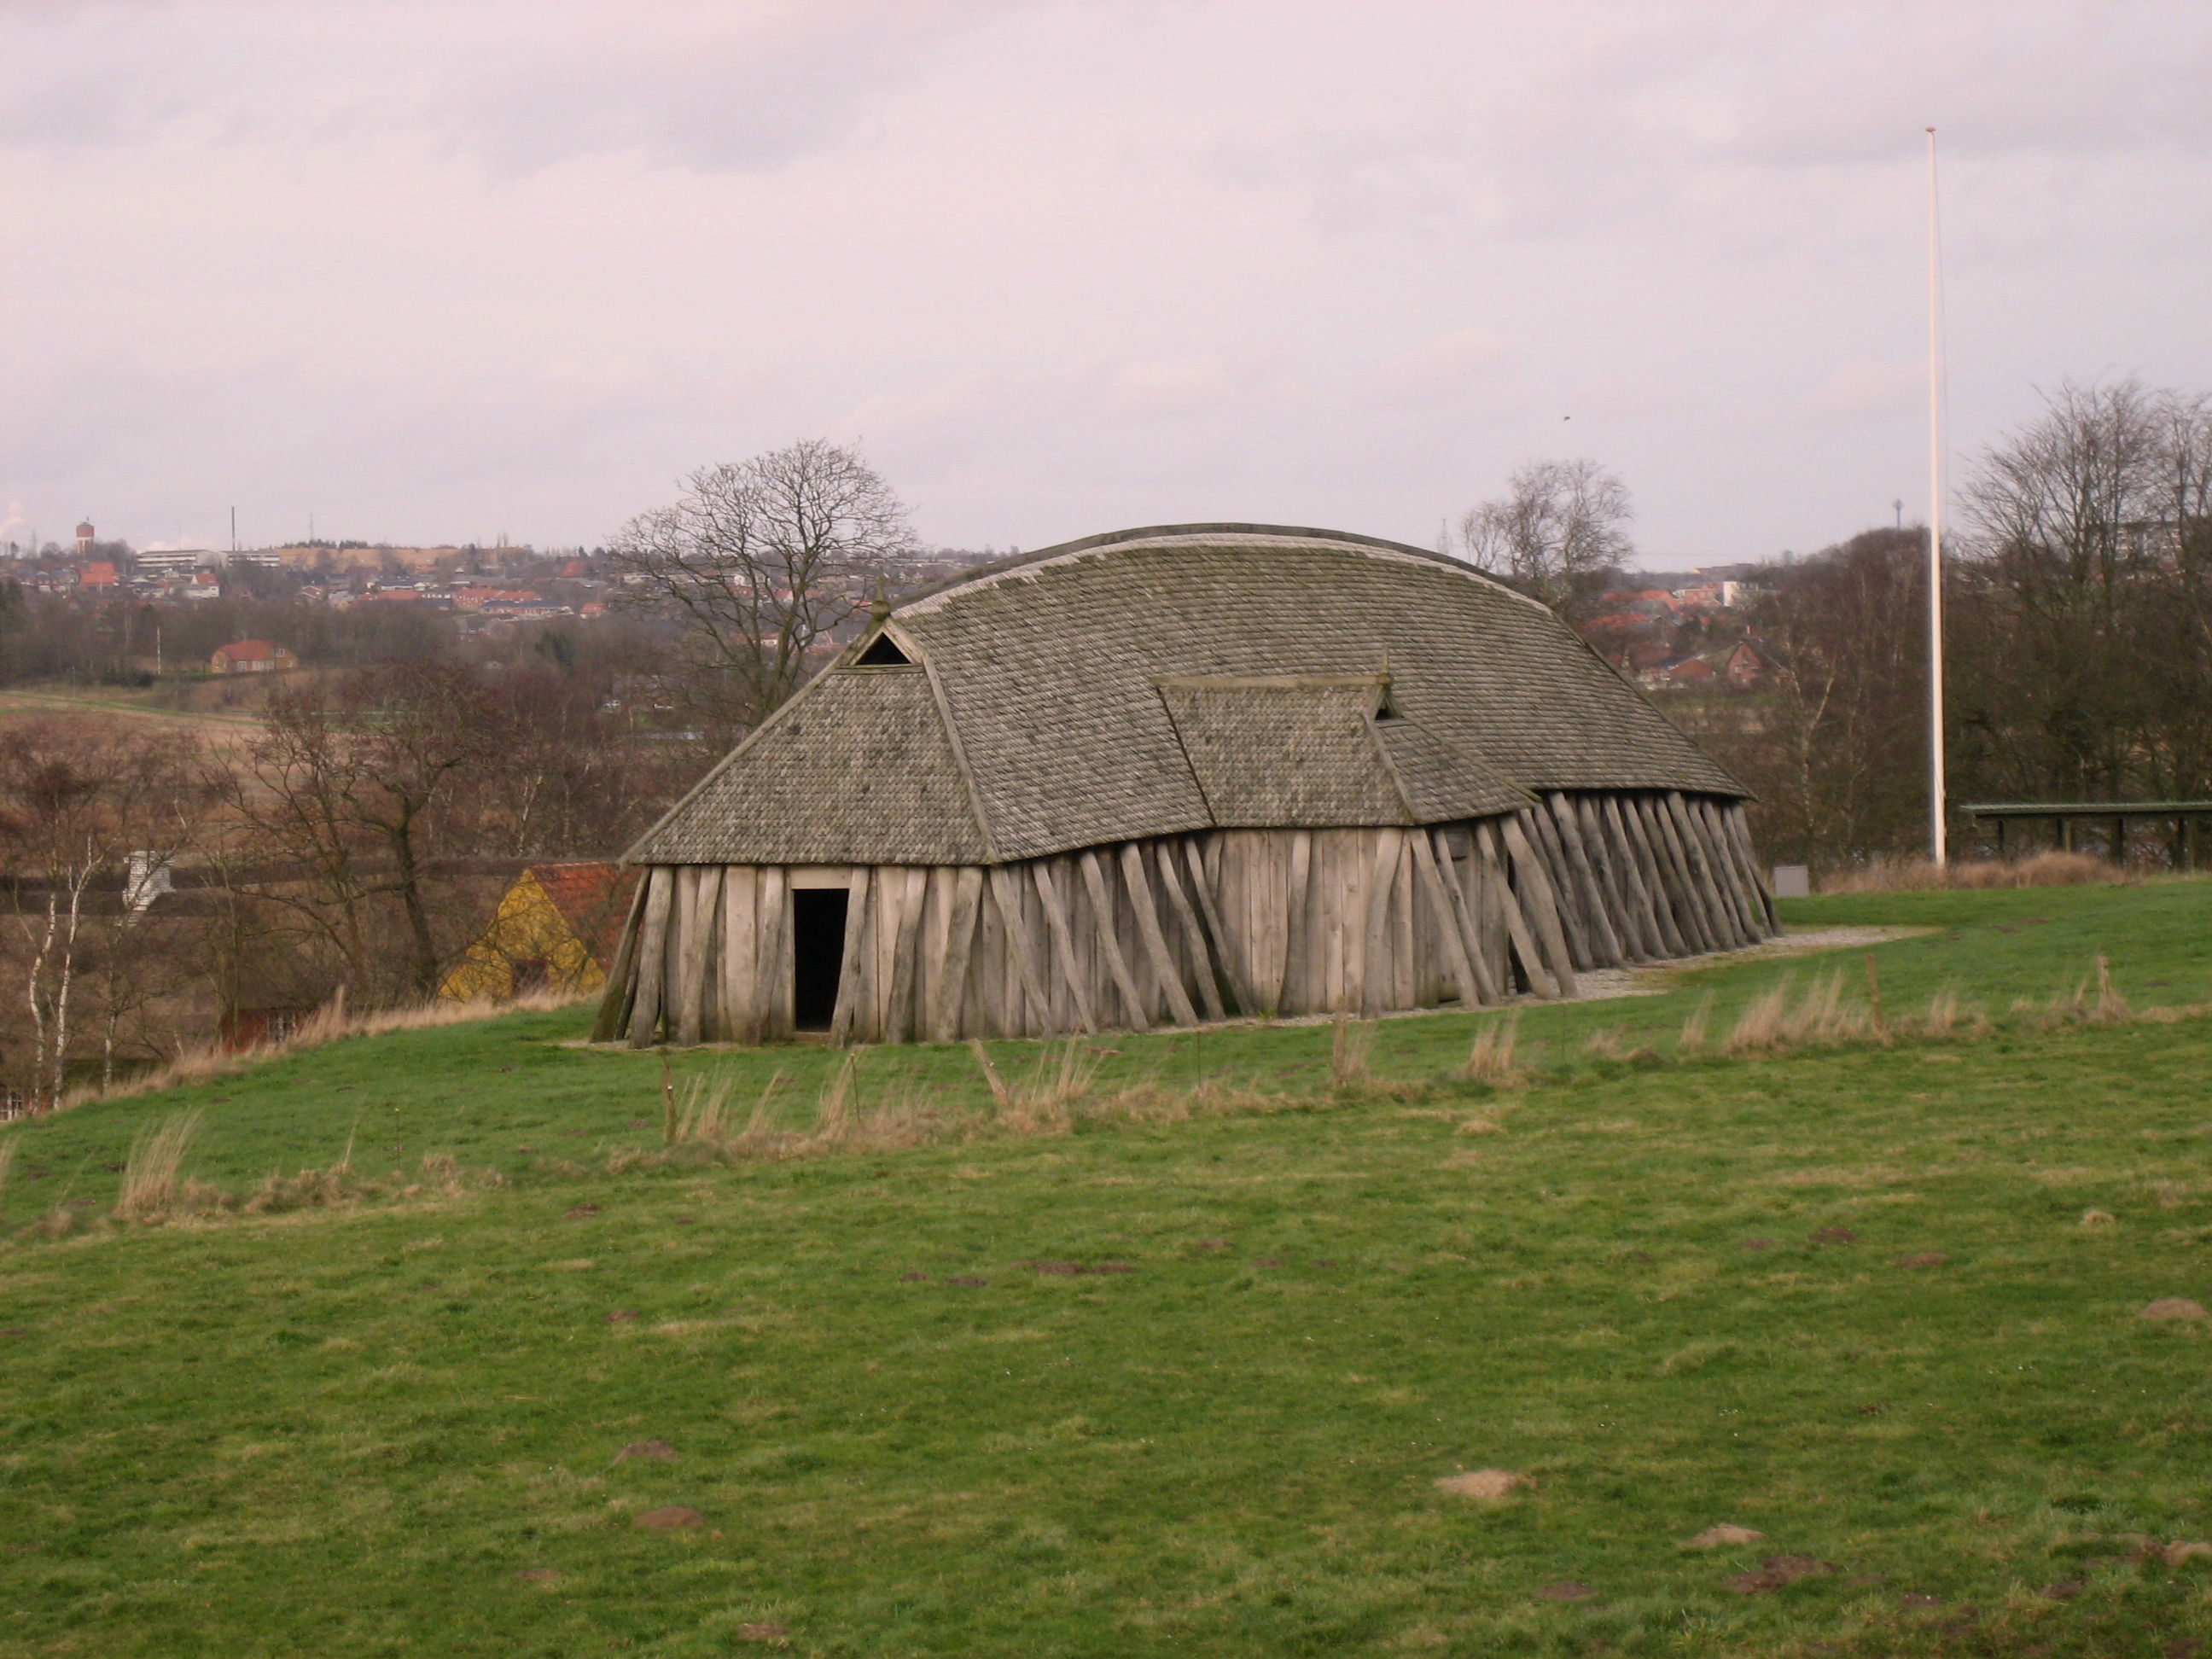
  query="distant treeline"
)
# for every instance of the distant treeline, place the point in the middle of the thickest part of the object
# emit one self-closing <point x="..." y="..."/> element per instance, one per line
<point x="2078" y="642"/>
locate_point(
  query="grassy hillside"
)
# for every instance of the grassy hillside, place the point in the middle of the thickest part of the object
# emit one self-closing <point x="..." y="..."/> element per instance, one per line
<point x="1844" y="1296"/>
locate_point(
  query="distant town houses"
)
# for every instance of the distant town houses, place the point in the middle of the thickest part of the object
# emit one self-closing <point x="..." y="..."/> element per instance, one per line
<point x="475" y="583"/>
<point x="1687" y="633"/>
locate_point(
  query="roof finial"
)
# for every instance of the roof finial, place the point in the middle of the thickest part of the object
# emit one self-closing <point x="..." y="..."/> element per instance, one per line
<point x="882" y="607"/>
<point x="1386" y="706"/>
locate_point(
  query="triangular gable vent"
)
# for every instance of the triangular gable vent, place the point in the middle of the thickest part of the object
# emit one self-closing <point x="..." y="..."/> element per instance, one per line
<point x="883" y="651"/>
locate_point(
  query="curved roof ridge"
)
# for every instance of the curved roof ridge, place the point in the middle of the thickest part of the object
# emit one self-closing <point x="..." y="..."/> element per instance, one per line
<point x="996" y="567"/>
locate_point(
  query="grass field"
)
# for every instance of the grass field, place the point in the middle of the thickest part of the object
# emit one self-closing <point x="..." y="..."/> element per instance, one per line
<point x="905" y="1426"/>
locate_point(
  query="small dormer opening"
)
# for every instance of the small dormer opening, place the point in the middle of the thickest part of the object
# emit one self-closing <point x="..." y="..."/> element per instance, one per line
<point x="1386" y="707"/>
<point x="883" y="651"/>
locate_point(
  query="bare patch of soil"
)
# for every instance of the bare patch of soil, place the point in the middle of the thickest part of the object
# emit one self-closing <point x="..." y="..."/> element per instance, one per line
<point x="1723" y="1536"/>
<point x="1778" y="1571"/>
<point x="1484" y="1486"/>
<point x="2173" y="1307"/>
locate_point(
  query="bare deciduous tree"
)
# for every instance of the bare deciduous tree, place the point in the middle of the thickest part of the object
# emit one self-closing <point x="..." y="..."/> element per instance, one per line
<point x="78" y="799"/>
<point x="355" y="787"/>
<point x="1557" y="534"/>
<point x="1833" y="746"/>
<point x="2084" y="640"/>
<point x="764" y="558"/>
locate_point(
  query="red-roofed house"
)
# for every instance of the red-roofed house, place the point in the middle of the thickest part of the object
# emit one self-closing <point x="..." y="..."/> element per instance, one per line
<point x="251" y="657"/>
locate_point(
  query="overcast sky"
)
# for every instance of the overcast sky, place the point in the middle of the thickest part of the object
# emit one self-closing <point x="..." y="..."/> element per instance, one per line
<point x="447" y="270"/>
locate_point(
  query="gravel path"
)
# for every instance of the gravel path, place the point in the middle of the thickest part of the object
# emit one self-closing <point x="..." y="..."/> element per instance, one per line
<point x="1600" y="983"/>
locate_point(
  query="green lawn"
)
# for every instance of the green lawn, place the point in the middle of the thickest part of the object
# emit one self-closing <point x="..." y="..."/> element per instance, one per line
<point x="393" y="1429"/>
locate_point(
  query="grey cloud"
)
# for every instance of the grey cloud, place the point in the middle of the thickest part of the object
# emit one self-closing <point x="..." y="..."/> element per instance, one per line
<point x="711" y="87"/>
<point x="1667" y="107"/>
<point x="449" y="268"/>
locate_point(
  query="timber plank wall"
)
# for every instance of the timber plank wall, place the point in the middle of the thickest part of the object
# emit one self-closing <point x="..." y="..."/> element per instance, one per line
<point x="1178" y="930"/>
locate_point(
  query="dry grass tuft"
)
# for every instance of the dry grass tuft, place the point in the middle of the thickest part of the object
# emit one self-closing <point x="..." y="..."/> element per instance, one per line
<point x="1693" y="1038"/>
<point x="1824" y="1015"/>
<point x="1759" y="1024"/>
<point x="1045" y="1101"/>
<point x="329" y="1023"/>
<point x="1828" y="1013"/>
<point x="152" y="1191"/>
<point x="704" y="1127"/>
<point x="2095" y="1000"/>
<point x="1348" y="1051"/>
<point x="855" y="1114"/>
<point x="149" y="1176"/>
<point x="1942" y="1016"/>
<point x="1491" y="1058"/>
<point x="2110" y="1008"/>
<point x="1897" y="875"/>
<point x="1611" y="1042"/>
<point x="833" y="1107"/>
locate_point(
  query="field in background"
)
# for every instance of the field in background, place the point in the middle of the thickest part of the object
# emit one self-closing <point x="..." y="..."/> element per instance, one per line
<point x="2051" y="869"/>
<point x="194" y="707"/>
<point x="1143" y="1386"/>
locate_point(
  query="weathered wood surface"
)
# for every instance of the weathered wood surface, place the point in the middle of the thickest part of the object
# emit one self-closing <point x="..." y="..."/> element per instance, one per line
<point x="739" y="1012"/>
<point x="1631" y="922"/>
<point x="622" y="979"/>
<point x="1103" y="919"/>
<point x="1146" y="908"/>
<point x="1203" y="886"/>
<point x="1543" y="840"/>
<point x="1459" y="874"/>
<point x="852" y="970"/>
<point x="1641" y="876"/>
<point x="696" y="887"/>
<point x="1019" y="980"/>
<point x="1598" y="904"/>
<point x="963" y="912"/>
<point x="1449" y="922"/>
<point x="1204" y="966"/>
<point x="1650" y="874"/>
<point x="903" y="974"/>
<point x="1185" y="929"/>
<point x="1073" y="980"/>
<point x="651" y="957"/>
<point x="1514" y="909"/>
<point x="1532" y="886"/>
<point x="1738" y="827"/>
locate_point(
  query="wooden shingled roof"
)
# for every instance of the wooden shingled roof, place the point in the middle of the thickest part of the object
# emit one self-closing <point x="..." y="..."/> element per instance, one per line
<point x="1156" y="682"/>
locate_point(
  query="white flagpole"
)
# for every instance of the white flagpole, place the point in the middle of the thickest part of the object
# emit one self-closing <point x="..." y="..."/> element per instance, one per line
<point x="1937" y="848"/>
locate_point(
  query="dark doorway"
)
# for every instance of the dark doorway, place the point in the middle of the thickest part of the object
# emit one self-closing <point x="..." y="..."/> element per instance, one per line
<point x="818" y="953"/>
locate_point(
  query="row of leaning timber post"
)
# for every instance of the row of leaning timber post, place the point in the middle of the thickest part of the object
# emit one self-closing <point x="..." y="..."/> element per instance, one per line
<point x="1180" y="930"/>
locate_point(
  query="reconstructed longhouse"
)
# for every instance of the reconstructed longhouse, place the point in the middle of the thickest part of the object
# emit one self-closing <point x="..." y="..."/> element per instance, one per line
<point x="1176" y="775"/>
